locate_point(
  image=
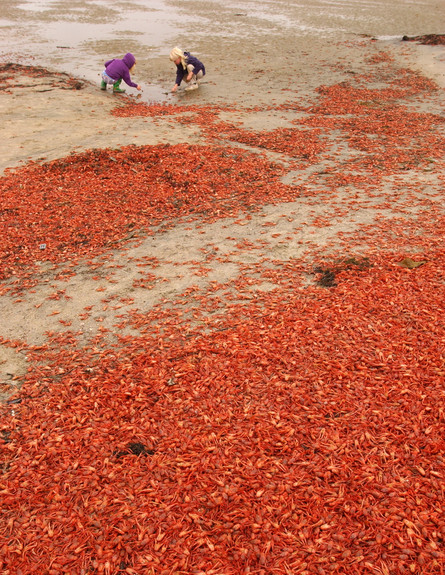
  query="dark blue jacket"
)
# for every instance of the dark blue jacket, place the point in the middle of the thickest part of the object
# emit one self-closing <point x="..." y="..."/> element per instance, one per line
<point x="189" y="59"/>
<point x="120" y="69"/>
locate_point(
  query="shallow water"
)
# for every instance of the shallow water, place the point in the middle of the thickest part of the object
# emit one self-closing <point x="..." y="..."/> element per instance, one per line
<point x="78" y="36"/>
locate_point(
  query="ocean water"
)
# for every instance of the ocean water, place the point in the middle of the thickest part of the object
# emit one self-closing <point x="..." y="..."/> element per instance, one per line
<point x="76" y="36"/>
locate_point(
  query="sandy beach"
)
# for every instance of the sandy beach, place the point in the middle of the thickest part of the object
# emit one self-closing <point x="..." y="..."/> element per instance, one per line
<point x="337" y="114"/>
<point x="257" y="55"/>
<point x="256" y="64"/>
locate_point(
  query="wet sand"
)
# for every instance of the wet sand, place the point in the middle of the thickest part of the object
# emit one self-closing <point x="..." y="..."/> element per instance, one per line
<point x="259" y="55"/>
<point x="331" y="433"/>
<point x="253" y="50"/>
<point x="256" y="54"/>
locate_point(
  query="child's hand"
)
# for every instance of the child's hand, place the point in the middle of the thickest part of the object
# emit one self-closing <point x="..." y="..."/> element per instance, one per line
<point x="138" y="88"/>
<point x="190" y="76"/>
<point x="175" y="87"/>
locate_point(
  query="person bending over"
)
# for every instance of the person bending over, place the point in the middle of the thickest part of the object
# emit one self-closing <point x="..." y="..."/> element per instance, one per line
<point x="188" y="68"/>
<point x="117" y="70"/>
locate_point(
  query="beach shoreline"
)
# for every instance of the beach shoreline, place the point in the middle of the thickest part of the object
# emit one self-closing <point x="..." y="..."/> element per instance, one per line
<point x="221" y="335"/>
<point x="49" y="115"/>
<point x="52" y="114"/>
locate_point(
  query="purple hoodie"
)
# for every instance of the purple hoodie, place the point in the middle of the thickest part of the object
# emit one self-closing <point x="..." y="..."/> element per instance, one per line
<point x="118" y="69"/>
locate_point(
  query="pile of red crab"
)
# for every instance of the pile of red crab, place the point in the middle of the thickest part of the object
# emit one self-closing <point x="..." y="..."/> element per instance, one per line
<point x="294" y="431"/>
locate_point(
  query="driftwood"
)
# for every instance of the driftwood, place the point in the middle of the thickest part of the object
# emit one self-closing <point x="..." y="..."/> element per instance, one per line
<point x="430" y="39"/>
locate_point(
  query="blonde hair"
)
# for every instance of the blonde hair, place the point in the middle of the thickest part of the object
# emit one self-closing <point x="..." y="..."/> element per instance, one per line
<point x="178" y="53"/>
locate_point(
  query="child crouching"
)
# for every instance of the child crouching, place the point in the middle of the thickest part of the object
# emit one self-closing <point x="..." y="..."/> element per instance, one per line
<point x="188" y="66"/>
<point x="117" y="70"/>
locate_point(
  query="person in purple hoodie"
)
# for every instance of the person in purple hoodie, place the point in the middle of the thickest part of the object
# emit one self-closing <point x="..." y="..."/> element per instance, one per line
<point x="117" y="70"/>
<point x="187" y="67"/>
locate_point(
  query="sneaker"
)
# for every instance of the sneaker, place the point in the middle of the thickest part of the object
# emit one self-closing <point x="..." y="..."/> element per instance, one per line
<point x="192" y="86"/>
